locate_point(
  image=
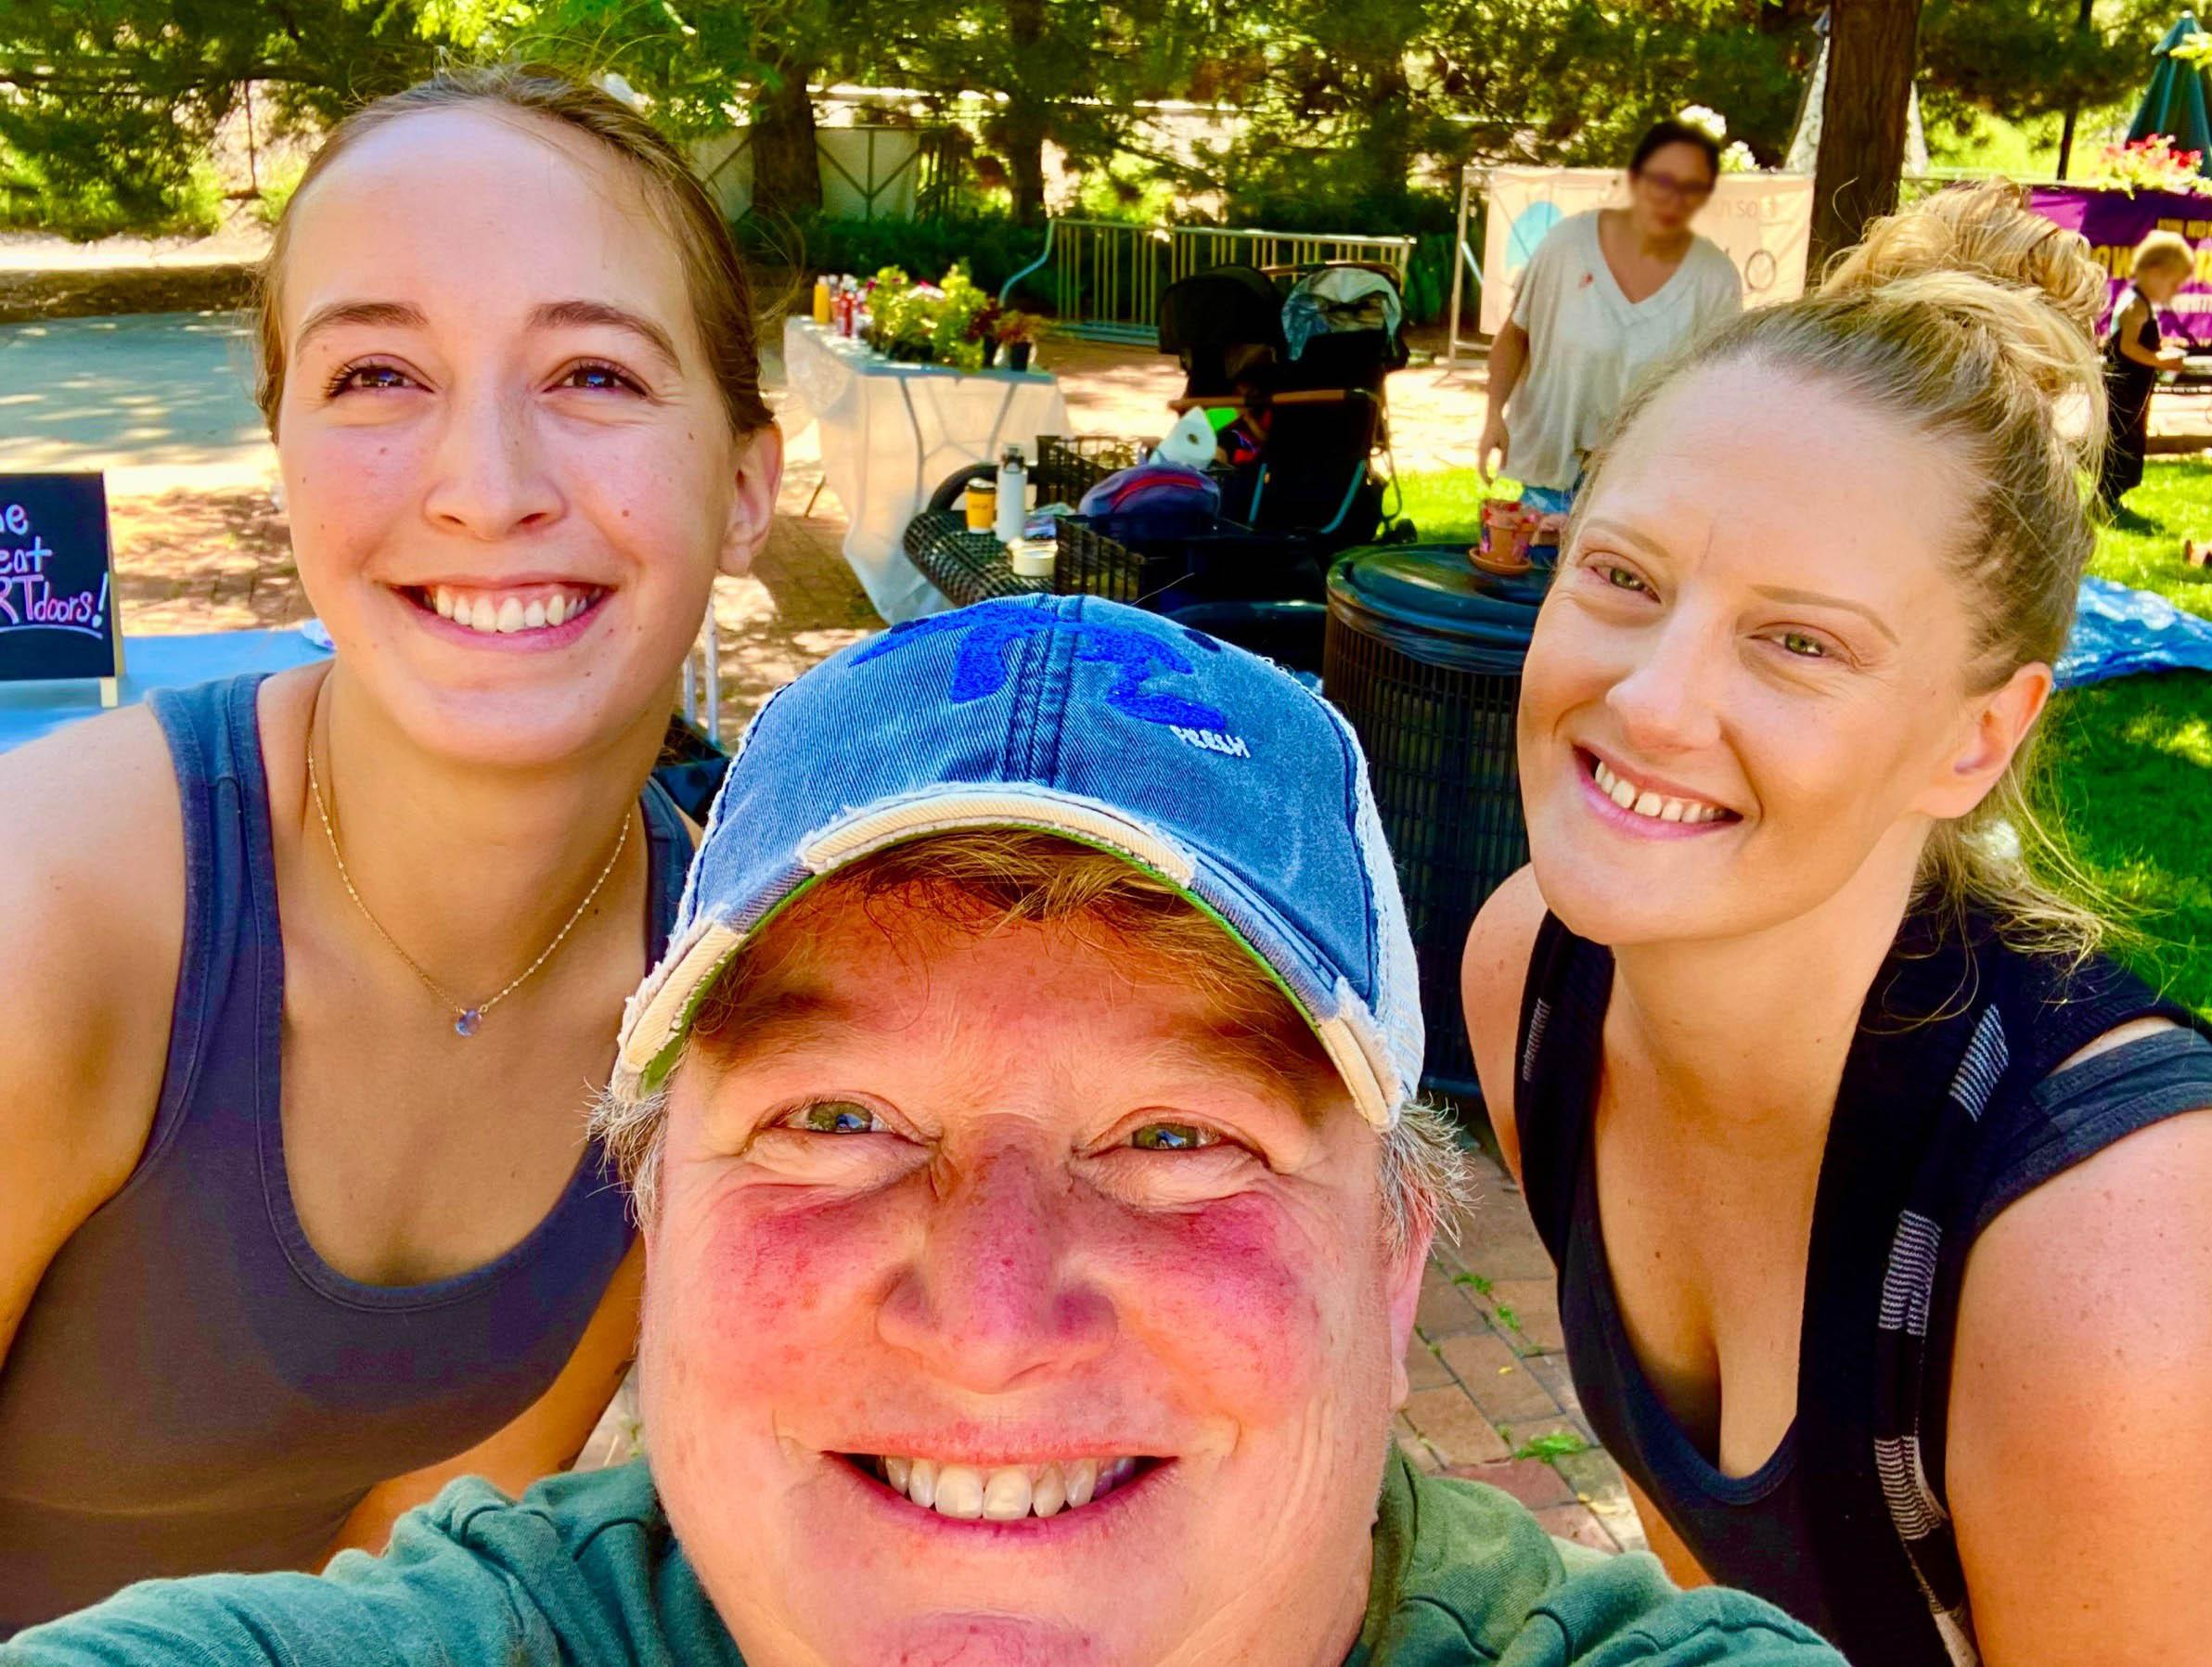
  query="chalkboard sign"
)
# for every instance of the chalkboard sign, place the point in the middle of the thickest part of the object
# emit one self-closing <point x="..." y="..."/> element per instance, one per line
<point x="57" y="579"/>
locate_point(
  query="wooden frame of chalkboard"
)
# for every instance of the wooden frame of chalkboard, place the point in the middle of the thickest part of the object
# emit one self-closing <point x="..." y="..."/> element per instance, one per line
<point x="58" y="613"/>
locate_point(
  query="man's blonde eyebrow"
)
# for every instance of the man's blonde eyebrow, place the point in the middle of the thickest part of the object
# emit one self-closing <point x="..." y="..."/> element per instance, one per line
<point x="755" y="1019"/>
<point x="1256" y="1056"/>
<point x="758" y="1021"/>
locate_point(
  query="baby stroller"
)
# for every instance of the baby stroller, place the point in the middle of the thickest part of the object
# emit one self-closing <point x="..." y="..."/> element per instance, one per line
<point x="1289" y="366"/>
<point x="1300" y="357"/>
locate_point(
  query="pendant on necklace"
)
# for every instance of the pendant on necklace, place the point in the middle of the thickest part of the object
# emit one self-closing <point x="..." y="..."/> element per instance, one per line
<point x="466" y="1024"/>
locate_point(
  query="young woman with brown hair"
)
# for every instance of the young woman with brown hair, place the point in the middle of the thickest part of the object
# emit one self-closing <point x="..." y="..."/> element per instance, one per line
<point x="316" y="974"/>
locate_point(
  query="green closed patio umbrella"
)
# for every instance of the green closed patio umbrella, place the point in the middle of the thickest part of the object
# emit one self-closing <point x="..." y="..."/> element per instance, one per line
<point x="2175" y="103"/>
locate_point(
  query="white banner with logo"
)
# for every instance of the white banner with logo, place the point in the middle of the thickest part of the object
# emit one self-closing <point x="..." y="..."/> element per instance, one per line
<point x="1763" y="221"/>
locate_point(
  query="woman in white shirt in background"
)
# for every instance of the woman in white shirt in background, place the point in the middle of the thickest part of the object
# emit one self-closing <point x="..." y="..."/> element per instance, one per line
<point x="1606" y="293"/>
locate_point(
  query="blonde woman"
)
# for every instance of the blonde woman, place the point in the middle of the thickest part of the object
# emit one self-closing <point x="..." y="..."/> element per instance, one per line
<point x="2134" y="355"/>
<point x="1880" y="1200"/>
<point x="313" y="975"/>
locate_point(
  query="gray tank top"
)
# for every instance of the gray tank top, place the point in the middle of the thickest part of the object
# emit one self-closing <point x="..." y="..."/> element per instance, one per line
<point x="194" y="1389"/>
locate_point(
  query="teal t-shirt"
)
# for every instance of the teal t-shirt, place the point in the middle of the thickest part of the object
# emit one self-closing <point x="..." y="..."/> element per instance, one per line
<point x="585" y="1573"/>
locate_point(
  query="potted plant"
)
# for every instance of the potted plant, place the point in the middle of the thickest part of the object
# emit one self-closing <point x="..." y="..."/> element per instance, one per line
<point x="982" y="330"/>
<point x="1019" y="333"/>
<point x="905" y="315"/>
<point x="884" y="295"/>
<point x="953" y="337"/>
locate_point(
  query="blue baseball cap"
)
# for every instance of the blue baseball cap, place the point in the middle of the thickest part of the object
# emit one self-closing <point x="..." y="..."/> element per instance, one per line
<point x="1204" y="766"/>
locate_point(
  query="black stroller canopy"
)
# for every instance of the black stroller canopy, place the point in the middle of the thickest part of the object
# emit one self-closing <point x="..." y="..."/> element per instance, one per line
<point x="1226" y="306"/>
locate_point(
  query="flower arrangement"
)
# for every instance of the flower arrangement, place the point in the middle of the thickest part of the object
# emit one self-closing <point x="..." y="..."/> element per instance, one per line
<point x="982" y="330"/>
<point x="931" y="324"/>
<point x="1738" y="158"/>
<point x="953" y="339"/>
<point x="2152" y="164"/>
<point x="1019" y="334"/>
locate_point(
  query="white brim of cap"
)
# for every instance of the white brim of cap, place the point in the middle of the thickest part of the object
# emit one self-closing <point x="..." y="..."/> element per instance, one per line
<point x="661" y="1013"/>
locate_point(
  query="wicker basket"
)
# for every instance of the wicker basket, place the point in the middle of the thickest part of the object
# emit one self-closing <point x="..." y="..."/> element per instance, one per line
<point x="965" y="567"/>
<point x="1087" y="563"/>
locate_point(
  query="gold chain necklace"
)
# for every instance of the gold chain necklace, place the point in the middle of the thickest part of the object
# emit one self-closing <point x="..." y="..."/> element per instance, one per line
<point x="466" y="1019"/>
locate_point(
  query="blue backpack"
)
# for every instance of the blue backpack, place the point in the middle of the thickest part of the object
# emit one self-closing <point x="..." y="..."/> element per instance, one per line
<point x="1152" y="500"/>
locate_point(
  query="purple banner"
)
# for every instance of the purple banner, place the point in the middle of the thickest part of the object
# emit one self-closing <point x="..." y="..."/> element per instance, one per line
<point x="2115" y="223"/>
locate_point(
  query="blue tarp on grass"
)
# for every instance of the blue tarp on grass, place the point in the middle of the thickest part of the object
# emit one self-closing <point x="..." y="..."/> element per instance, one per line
<point x="2118" y="632"/>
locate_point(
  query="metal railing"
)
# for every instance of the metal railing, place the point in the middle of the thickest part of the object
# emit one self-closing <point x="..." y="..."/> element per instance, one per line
<point x="1106" y="276"/>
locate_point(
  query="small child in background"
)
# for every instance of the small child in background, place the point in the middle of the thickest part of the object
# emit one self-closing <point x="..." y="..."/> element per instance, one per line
<point x="2133" y="359"/>
<point x="1243" y="435"/>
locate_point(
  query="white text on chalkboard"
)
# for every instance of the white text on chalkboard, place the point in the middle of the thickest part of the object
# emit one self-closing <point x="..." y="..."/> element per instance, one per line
<point x="28" y="599"/>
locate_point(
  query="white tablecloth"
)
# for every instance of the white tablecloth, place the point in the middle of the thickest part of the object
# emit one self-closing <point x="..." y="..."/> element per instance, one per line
<point x="891" y="433"/>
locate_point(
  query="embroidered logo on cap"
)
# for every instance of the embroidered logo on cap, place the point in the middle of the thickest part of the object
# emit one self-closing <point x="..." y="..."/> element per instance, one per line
<point x="988" y="631"/>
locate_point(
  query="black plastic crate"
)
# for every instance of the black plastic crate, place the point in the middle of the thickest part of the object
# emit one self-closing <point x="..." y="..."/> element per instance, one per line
<point x="1087" y="563"/>
<point x="1290" y="634"/>
<point x="1070" y="465"/>
<point x="1225" y="564"/>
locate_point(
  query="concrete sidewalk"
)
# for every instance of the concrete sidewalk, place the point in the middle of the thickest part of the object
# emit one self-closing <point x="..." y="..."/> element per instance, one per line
<point x="157" y="402"/>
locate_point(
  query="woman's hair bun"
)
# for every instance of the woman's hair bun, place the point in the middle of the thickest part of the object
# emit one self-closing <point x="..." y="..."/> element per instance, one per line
<point x="1979" y="254"/>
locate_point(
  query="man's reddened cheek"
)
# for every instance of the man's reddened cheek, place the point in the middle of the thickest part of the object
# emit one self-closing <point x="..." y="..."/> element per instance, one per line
<point x="1236" y="1283"/>
<point x="771" y="1267"/>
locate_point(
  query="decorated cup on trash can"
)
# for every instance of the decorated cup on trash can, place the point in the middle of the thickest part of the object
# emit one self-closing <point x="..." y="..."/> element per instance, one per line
<point x="1507" y="530"/>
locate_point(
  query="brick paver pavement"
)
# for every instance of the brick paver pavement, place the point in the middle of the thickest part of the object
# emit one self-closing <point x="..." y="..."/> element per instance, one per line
<point x="1491" y="1397"/>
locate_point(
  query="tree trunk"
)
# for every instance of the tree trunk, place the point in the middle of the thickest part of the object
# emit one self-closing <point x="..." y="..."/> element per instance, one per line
<point x="2065" y="137"/>
<point x="1028" y="118"/>
<point x="1386" y="146"/>
<point x="786" y="172"/>
<point x="1025" y="128"/>
<point x="1872" y="49"/>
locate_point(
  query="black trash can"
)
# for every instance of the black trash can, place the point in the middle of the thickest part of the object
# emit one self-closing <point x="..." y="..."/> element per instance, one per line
<point x="1423" y="656"/>
<point x="1290" y="634"/>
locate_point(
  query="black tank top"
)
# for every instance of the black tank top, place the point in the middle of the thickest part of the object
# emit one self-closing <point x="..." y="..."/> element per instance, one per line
<point x="2129" y="382"/>
<point x="193" y="1387"/>
<point x="1940" y="1122"/>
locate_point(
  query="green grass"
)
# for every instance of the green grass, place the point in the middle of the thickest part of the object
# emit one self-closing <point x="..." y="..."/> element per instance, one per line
<point x="2129" y="763"/>
<point x="1446" y="503"/>
<point x="1974" y="139"/>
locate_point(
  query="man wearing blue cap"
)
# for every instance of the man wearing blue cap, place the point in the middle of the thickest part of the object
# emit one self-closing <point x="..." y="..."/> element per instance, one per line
<point x="1035" y="1216"/>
